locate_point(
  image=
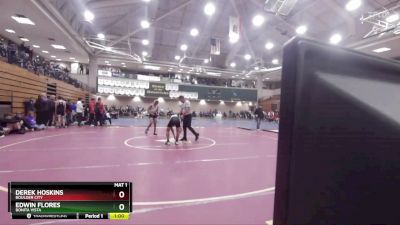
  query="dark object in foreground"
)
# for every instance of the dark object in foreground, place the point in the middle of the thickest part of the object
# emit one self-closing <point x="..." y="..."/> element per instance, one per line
<point x="339" y="137"/>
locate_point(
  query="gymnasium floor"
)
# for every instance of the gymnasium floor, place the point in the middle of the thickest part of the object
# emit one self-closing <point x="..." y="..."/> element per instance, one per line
<point x="226" y="177"/>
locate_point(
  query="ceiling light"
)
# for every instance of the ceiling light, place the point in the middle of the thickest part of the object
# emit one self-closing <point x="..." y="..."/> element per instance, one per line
<point x="380" y="50"/>
<point x="247" y="57"/>
<point x="23" y="19"/>
<point x="177" y="57"/>
<point x="275" y="61"/>
<point x="269" y="45"/>
<point x="24" y="39"/>
<point x="145" y="24"/>
<point x="149" y="67"/>
<point x="256" y="68"/>
<point x="335" y="39"/>
<point x="58" y="59"/>
<point x="53" y="56"/>
<point x="106" y="62"/>
<point x="184" y="47"/>
<point x="72" y="58"/>
<point x="233" y="64"/>
<point x="58" y="47"/>
<point x="258" y="20"/>
<point x="122" y="63"/>
<point x="145" y="42"/>
<point x="124" y="66"/>
<point x="301" y="29"/>
<point x="89" y="16"/>
<point x="353" y="5"/>
<point x="206" y="61"/>
<point x="209" y="9"/>
<point x="233" y="39"/>
<point x="76" y="61"/>
<point x="10" y="31"/>
<point x="101" y="36"/>
<point x="146" y="0"/>
<point x="36" y="46"/>
<point x="144" y="53"/>
<point x="46" y="52"/>
<point x="107" y="48"/>
<point x="392" y="18"/>
<point x="194" y="32"/>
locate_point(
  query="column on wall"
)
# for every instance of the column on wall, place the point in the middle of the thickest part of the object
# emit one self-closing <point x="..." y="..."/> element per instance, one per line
<point x="259" y="85"/>
<point x="93" y="71"/>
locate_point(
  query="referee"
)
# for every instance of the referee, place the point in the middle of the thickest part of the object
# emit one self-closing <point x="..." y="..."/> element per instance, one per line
<point x="186" y="112"/>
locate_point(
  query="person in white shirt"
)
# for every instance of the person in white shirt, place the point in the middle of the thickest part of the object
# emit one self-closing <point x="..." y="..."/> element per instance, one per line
<point x="153" y="112"/>
<point x="79" y="111"/>
<point x="186" y="113"/>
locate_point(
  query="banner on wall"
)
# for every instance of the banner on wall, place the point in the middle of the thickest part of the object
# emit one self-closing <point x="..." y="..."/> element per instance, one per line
<point x="214" y="94"/>
<point x="148" y="78"/>
<point x="104" y="73"/>
<point x="157" y="90"/>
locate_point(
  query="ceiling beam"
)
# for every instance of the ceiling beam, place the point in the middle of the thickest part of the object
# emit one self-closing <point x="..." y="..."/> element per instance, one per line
<point x="172" y="11"/>
<point x="95" y="4"/>
<point x="58" y="20"/>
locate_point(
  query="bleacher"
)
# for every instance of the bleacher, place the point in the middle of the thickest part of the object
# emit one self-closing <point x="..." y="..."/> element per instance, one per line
<point x="18" y="85"/>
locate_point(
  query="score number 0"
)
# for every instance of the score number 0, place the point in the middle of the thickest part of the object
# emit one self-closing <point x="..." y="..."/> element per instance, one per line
<point x="121" y="194"/>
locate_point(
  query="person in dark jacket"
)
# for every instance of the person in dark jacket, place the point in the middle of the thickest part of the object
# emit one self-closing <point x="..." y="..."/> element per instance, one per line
<point x="51" y="110"/>
<point x="41" y="109"/>
<point x="99" y="112"/>
<point x="29" y="106"/>
<point x="259" y="115"/>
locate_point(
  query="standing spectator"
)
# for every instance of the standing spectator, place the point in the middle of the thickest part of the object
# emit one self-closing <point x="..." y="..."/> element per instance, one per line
<point x="99" y="111"/>
<point x="79" y="111"/>
<point x="186" y="112"/>
<point x="60" y="112"/>
<point x="259" y="114"/>
<point x="271" y="116"/>
<point x="29" y="106"/>
<point x="41" y="109"/>
<point x="51" y="110"/>
<point x="68" y="112"/>
<point x="92" y="105"/>
<point x="80" y="68"/>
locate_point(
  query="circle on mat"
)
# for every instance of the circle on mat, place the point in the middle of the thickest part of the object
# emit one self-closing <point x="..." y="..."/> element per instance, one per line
<point x="146" y="143"/>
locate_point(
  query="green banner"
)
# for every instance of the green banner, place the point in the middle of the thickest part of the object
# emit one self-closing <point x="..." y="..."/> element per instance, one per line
<point x="157" y="90"/>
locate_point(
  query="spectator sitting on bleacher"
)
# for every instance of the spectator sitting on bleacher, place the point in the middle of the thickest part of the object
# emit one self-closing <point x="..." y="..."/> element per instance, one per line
<point x="30" y="122"/>
<point x="12" y="124"/>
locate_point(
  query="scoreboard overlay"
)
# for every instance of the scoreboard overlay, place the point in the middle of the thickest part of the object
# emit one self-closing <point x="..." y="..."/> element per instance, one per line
<point x="70" y="200"/>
